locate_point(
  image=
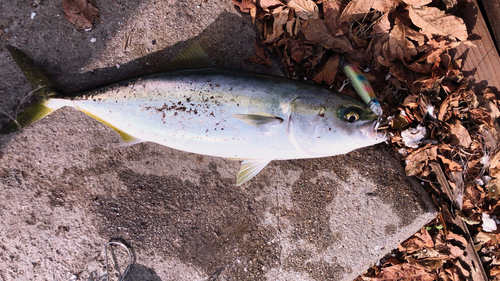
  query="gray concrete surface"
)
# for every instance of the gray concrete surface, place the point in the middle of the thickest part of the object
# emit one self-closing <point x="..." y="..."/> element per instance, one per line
<point x="66" y="187"/>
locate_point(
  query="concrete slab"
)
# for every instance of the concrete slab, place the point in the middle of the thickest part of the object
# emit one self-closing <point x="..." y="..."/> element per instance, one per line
<point x="66" y="187"/>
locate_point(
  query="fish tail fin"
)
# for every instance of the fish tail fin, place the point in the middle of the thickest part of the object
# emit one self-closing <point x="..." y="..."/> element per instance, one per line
<point x="42" y="91"/>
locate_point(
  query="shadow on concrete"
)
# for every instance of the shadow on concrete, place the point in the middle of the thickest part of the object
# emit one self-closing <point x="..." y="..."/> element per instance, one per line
<point x="213" y="39"/>
<point x="136" y="272"/>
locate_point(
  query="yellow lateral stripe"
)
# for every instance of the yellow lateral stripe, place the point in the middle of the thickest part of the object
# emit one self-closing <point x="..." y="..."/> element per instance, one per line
<point x="125" y="137"/>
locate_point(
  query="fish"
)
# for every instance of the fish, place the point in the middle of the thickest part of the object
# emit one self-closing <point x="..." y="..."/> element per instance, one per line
<point x="199" y="108"/>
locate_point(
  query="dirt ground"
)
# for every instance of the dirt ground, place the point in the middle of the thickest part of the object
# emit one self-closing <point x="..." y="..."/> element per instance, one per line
<point x="67" y="187"/>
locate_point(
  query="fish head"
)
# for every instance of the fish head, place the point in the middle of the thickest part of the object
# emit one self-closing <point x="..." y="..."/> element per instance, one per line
<point x="332" y="125"/>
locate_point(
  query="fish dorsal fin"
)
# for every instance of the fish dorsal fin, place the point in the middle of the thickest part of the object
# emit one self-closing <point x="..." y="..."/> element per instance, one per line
<point x="125" y="139"/>
<point x="193" y="56"/>
<point x="249" y="169"/>
<point x="258" y="119"/>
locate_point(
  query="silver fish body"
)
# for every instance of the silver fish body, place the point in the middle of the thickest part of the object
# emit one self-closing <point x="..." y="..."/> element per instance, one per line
<point x="228" y="113"/>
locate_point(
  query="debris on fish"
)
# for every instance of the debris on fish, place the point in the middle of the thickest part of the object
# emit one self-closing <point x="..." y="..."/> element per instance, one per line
<point x="218" y="112"/>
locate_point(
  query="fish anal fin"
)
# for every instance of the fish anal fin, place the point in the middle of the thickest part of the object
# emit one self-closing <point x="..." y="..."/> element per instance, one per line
<point x="258" y="119"/>
<point x="125" y="138"/>
<point x="249" y="169"/>
<point x="193" y="56"/>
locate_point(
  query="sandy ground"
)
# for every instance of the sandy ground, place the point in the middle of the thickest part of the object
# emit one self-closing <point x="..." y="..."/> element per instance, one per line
<point x="67" y="187"/>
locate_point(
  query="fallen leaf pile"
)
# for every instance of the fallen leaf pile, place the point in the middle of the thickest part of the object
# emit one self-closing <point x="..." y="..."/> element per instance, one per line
<point x="445" y="130"/>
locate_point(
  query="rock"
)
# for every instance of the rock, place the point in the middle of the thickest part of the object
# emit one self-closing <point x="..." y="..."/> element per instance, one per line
<point x="67" y="187"/>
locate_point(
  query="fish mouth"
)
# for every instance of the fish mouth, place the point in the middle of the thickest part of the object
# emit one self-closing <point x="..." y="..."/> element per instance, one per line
<point x="373" y="130"/>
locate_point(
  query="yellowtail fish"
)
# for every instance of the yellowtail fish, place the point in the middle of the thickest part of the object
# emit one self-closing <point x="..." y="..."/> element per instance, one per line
<point x="217" y="112"/>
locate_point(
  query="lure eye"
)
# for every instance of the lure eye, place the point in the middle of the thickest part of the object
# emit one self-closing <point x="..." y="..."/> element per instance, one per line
<point x="351" y="117"/>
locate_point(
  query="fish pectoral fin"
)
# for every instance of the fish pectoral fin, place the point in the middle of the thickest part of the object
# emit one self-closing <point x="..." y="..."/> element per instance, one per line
<point x="193" y="56"/>
<point x="249" y="169"/>
<point x="258" y="119"/>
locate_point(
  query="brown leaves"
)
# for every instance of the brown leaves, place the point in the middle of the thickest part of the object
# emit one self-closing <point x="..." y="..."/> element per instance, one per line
<point x="328" y="71"/>
<point x="448" y="134"/>
<point x="433" y="21"/>
<point x="81" y="13"/>
<point x="418" y="160"/>
<point x="247" y="6"/>
<point x="404" y="272"/>
<point x="316" y="31"/>
<point x="280" y="16"/>
<point x="304" y="9"/>
<point x="262" y="57"/>
<point x="358" y="9"/>
<point x="459" y="134"/>
<point x="332" y="10"/>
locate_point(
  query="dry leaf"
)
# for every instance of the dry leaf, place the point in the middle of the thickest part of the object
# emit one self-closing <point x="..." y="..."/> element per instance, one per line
<point x="404" y="272"/>
<point x="411" y="245"/>
<point x="332" y="10"/>
<point x="355" y="10"/>
<point x="417" y="2"/>
<point x="247" y="6"/>
<point x="300" y="52"/>
<point x="433" y="21"/>
<point x="396" y="46"/>
<point x="448" y="104"/>
<point x="459" y="135"/>
<point x="457" y="272"/>
<point x="456" y="251"/>
<point x="494" y="164"/>
<point x="384" y="5"/>
<point x="358" y="9"/>
<point x="305" y="9"/>
<point x="81" y="13"/>
<point x="430" y="264"/>
<point x="495" y="273"/>
<point x="262" y="57"/>
<point x="328" y="71"/>
<point x="382" y="25"/>
<point x="452" y="165"/>
<point x="425" y="237"/>
<point x="416" y="161"/>
<point x="267" y="4"/>
<point x="481" y="115"/>
<point x="293" y="27"/>
<point x="318" y="32"/>
<point x="280" y="19"/>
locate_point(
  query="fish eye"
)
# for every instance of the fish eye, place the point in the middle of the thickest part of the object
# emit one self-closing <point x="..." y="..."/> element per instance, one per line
<point x="351" y="117"/>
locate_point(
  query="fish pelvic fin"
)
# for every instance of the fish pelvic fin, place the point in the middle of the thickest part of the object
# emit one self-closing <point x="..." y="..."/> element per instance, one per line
<point x="42" y="91"/>
<point x="249" y="169"/>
